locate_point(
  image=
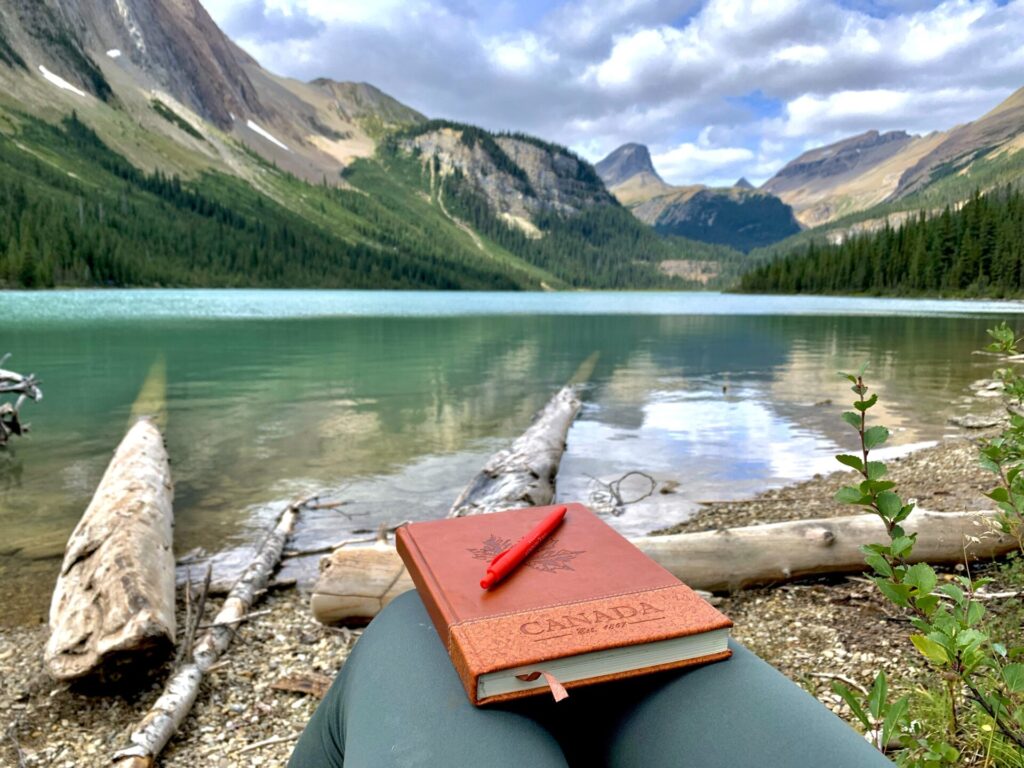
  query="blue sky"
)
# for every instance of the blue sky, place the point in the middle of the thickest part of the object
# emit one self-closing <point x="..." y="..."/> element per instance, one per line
<point x="717" y="89"/>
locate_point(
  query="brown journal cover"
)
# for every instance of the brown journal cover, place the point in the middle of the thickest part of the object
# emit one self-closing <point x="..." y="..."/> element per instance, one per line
<point x="586" y="588"/>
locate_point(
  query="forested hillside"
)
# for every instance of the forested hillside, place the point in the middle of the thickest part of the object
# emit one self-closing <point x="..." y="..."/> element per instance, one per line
<point x="977" y="250"/>
<point x="73" y="212"/>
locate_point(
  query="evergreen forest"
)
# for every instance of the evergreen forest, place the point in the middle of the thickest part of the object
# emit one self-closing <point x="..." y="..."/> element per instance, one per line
<point x="975" y="250"/>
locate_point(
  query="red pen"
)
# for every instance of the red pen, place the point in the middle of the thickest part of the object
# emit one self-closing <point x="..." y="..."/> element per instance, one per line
<point x="508" y="560"/>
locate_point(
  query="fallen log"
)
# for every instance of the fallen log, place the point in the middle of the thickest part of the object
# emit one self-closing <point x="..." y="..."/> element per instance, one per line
<point x="114" y="598"/>
<point x="523" y="475"/>
<point x="357" y="583"/>
<point x="26" y="388"/>
<point x="731" y="559"/>
<point x="360" y="581"/>
<point x="153" y="732"/>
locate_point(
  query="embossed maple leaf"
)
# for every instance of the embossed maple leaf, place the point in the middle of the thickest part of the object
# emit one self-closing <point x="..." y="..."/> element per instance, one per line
<point x="550" y="558"/>
<point x="492" y="547"/>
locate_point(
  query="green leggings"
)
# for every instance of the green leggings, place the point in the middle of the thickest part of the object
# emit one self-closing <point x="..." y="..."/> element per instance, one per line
<point x="398" y="702"/>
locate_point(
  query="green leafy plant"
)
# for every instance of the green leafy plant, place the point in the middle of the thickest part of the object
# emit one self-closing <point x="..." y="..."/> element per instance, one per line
<point x="983" y="679"/>
<point x="1004" y="454"/>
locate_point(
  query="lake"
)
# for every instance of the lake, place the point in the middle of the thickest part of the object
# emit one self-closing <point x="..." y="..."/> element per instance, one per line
<point x="392" y="401"/>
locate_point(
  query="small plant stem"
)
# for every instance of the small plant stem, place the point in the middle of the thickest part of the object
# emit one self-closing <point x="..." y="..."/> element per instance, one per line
<point x="953" y="727"/>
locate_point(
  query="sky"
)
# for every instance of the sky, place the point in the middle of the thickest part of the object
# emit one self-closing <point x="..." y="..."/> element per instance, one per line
<point x="717" y="89"/>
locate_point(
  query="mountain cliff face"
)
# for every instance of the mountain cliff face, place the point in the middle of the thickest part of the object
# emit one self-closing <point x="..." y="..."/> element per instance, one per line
<point x="860" y="172"/>
<point x="999" y="132"/>
<point x="170" y="56"/>
<point x="737" y="216"/>
<point x="520" y="177"/>
<point x="856" y="173"/>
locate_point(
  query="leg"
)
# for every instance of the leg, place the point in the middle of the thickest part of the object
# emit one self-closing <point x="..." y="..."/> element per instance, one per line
<point x="739" y="713"/>
<point x="399" y="702"/>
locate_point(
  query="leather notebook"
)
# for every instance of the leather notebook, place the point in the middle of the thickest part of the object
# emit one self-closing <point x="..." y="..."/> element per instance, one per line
<point x="586" y="606"/>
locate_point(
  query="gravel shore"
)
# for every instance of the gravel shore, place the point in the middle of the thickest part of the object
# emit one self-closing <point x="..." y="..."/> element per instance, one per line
<point x="813" y="631"/>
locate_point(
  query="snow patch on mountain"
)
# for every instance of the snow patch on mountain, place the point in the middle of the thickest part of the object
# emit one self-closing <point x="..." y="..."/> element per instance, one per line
<point x="60" y="82"/>
<point x="114" y="53"/>
<point x="129" y="23"/>
<point x="266" y="135"/>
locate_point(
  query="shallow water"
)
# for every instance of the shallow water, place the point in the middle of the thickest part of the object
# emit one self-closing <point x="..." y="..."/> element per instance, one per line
<point x="394" y="400"/>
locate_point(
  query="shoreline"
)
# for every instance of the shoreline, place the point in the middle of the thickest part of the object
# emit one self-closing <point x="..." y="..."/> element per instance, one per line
<point x="811" y="630"/>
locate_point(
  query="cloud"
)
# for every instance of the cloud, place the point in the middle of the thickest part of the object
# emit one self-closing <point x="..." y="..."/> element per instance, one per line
<point x="254" y="20"/>
<point x="717" y="89"/>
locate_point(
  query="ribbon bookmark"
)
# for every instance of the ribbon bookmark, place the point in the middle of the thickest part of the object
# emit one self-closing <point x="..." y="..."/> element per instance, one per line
<point x="557" y="689"/>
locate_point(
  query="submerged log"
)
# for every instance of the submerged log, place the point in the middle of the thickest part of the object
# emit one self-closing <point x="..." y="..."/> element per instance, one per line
<point x="356" y="583"/>
<point x="359" y="582"/>
<point x="153" y="732"/>
<point x="523" y="475"/>
<point x="114" y="597"/>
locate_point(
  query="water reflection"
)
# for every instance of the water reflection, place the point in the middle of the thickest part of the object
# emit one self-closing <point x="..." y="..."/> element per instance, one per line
<point x="400" y="411"/>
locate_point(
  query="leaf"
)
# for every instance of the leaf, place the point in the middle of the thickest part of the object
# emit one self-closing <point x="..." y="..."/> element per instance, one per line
<point x="904" y="513"/>
<point x="850" y="461"/>
<point x="876" y="469"/>
<point x="876" y="699"/>
<point x="921" y="576"/>
<point x="975" y="611"/>
<point x="849" y="495"/>
<point x="895" y="718"/>
<point x="927" y="604"/>
<point x="851" y="701"/>
<point x="1000" y="649"/>
<point x="853" y="419"/>
<point x="901" y="545"/>
<point x="1013" y="676"/>
<point x="889" y="504"/>
<point x="863" y="406"/>
<point x="876" y="486"/>
<point x="953" y="591"/>
<point x="930" y="649"/>
<point x="897" y="593"/>
<point x="880" y="564"/>
<point x="875" y="436"/>
<point x="999" y="494"/>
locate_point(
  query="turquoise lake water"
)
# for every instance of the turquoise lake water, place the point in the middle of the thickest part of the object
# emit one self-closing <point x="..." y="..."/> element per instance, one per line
<point x="392" y="401"/>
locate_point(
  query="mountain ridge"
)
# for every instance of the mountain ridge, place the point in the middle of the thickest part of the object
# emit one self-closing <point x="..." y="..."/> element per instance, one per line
<point x="738" y="216"/>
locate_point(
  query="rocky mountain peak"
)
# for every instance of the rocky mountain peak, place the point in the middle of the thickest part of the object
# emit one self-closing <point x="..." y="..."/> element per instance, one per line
<point x="743" y="183"/>
<point x="624" y="163"/>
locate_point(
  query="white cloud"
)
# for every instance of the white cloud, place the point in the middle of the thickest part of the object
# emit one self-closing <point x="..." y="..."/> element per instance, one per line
<point x="716" y="88"/>
<point x="522" y="54"/>
<point x="814" y="114"/>
<point x="688" y="161"/>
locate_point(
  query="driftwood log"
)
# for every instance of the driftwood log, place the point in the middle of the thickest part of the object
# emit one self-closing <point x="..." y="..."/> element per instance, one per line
<point x="523" y="475"/>
<point x="360" y="581"/>
<point x="114" y="598"/>
<point x="153" y="732"/>
<point x="356" y="583"/>
<point x="26" y="388"/>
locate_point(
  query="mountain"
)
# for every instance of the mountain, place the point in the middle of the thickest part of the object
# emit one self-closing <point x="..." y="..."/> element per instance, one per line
<point x="999" y="132"/>
<point x="742" y="219"/>
<point x="853" y="174"/>
<point x="738" y="216"/>
<point x="624" y="163"/>
<point x="743" y="183"/>
<point x="140" y="146"/>
<point x="904" y="172"/>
